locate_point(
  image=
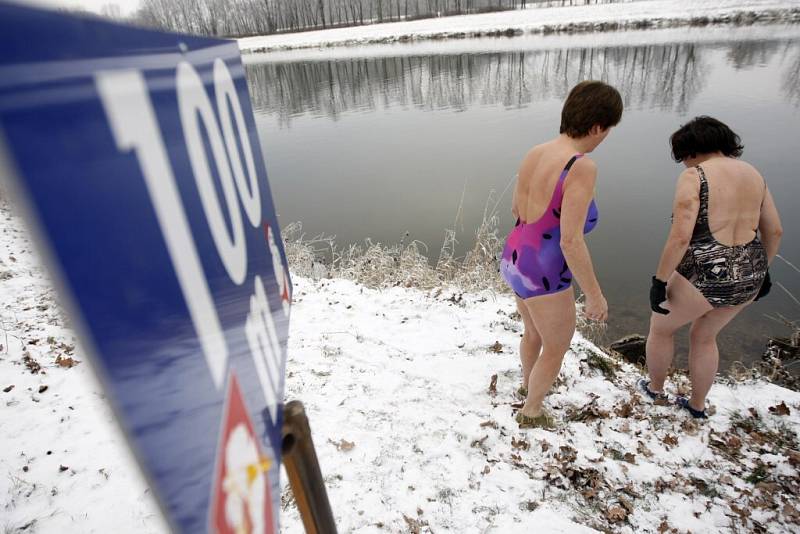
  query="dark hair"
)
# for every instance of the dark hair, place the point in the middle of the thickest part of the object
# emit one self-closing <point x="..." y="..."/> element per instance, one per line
<point x="704" y="135"/>
<point x="590" y="103"/>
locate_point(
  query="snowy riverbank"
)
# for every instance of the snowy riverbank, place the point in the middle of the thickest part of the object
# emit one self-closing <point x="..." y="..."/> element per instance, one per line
<point x="543" y="20"/>
<point x="413" y="430"/>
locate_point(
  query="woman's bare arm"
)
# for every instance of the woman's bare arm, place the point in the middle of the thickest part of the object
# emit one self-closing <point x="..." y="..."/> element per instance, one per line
<point x="578" y="192"/>
<point x="684" y="216"/>
<point x="514" y="205"/>
<point x="769" y="226"/>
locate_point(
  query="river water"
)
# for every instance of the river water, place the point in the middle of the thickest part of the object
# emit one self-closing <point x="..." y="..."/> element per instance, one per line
<point x="373" y="142"/>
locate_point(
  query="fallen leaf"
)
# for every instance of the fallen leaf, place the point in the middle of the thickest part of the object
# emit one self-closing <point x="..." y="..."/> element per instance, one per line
<point x="491" y="424"/>
<point x="669" y="439"/>
<point x="624" y="410"/>
<point x="616" y="513"/>
<point x="32" y="365"/>
<point x="42" y="388"/>
<point x="642" y="449"/>
<point x="794" y="458"/>
<point x="62" y="468"/>
<point x="626" y="504"/>
<point x="478" y="443"/>
<point x="342" y="445"/>
<point x="630" y="458"/>
<point x="487" y="469"/>
<point x="66" y="362"/>
<point x="9" y="388"/>
<point x="663" y="527"/>
<point x="497" y="348"/>
<point x="521" y="444"/>
<point x="780" y="409"/>
<point x="493" y="386"/>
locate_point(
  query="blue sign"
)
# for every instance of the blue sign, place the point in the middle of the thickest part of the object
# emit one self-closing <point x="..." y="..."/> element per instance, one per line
<point x="136" y="157"/>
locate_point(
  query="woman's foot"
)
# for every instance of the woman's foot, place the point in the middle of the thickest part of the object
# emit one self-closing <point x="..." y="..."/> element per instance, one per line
<point x="683" y="402"/>
<point x="543" y="420"/>
<point x="656" y="397"/>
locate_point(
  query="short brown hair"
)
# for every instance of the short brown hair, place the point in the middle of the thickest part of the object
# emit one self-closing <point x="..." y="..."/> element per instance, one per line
<point x="590" y="103"/>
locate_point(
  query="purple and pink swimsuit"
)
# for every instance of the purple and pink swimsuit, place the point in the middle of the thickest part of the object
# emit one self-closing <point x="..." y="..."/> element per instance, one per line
<point x="532" y="263"/>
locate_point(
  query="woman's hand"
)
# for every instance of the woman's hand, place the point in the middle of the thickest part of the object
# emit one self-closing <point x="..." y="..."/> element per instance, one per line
<point x="596" y="308"/>
<point x="658" y="294"/>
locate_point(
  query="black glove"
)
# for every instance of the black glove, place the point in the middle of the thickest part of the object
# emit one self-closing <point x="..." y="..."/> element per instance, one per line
<point x="765" y="287"/>
<point x="658" y="294"/>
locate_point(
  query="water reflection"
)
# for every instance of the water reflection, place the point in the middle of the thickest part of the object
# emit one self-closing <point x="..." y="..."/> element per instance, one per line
<point x="791" y="76"/>
<point x="664" y="77"/>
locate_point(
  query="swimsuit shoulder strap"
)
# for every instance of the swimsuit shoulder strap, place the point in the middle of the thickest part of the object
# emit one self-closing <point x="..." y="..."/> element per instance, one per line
<point x="702" y="214"/>
<point x="569" y="164"/>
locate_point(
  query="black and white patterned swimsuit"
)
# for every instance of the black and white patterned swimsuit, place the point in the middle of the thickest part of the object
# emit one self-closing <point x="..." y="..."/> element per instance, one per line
<point x="725" y="275"/>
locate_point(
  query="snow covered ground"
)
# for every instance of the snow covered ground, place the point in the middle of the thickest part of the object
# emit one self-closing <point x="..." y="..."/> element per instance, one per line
<point x="643" y="13"/>
<point x="410" y="397"/>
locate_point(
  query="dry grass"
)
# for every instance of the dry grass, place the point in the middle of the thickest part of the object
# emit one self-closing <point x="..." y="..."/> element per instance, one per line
<point x="405" y="264"/>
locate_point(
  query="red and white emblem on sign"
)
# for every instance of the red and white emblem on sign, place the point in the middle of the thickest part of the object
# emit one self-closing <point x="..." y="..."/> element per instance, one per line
<point x="241" y="502"/>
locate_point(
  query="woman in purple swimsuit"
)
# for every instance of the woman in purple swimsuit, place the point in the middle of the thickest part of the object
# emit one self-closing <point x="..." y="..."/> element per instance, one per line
<point x="546" y="250"/>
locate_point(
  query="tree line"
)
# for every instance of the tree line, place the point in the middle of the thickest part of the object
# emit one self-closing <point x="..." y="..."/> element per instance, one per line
<point x="237" y="18"/>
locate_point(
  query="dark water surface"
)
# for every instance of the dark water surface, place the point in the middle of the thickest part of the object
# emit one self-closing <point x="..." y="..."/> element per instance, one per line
<point x="373" y="142"/>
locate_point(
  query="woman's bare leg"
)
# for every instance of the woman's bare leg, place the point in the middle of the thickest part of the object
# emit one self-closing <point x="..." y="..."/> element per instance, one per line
<point x="530" y="345"/>
<point x="703" y="351"/>
<point x="554" y="317"/>
<point x="685" y="303"/>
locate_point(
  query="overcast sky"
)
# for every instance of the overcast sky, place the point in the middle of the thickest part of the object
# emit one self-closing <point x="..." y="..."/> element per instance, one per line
<point x="126" y="6"/>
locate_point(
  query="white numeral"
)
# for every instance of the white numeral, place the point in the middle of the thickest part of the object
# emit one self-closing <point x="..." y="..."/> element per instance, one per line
<point x="133" y="122"/>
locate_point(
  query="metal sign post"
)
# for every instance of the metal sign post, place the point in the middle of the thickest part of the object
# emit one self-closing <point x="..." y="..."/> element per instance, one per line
<point x="305" y="476"/>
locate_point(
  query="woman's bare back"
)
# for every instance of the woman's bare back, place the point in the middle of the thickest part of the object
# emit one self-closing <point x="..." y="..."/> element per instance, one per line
<point x="538" y="175"/>
<point x="735" y="195"/>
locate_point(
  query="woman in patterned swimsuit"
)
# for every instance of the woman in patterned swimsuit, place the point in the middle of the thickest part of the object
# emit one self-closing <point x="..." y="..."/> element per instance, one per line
<point x="554" y="208"/>
<point x="725" y="232"/>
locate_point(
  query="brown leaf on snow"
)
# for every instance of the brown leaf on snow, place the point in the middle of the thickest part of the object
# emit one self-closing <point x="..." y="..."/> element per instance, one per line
<point x="414" y="525"/>
<point x="689" y="427"/>
<point x="744" y="513"/>
<point x="780" y="409"/>
<point x="497" y="348"/>
<point x="630" y="458"/>
<point x="733" y="442"/>
<point x="624" y="410"/>
<point x="768" y="487"/>
<point x="66" y="362"/>
<point x="521" y="443"/>
<point x="642" y="449"/>
<point x="794" y="458"/>
<point x="663" y="527"/>
<point x="342" y="445"/>
<point x="493" y="386"/>
<point x="669" y="439"/>
<point x="32" y="365"/>
<point x="791" y="512"/>
<point x="616" y="513"/>
<point x="478" y="443"/>
<point x="626" y="504"/>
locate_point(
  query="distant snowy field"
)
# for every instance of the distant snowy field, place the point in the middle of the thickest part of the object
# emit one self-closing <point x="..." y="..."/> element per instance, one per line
<point x="626" y="14"/>
<point x="410" y="433"/>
